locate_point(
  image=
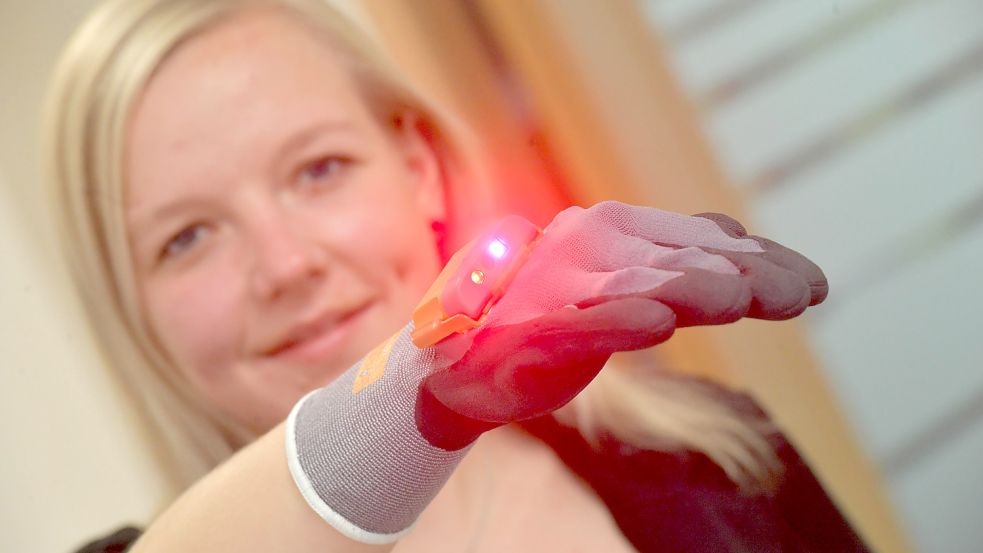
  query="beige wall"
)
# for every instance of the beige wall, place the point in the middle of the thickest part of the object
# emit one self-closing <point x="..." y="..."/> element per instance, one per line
<point x="72" y="466"/>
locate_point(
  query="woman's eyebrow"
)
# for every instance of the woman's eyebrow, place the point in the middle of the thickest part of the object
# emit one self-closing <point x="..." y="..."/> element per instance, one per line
<point x="306" y="135"/>
<point x="143" y="221"/>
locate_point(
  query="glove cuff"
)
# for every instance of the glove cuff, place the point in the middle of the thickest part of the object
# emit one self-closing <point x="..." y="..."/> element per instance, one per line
<point x="358" y="458"/>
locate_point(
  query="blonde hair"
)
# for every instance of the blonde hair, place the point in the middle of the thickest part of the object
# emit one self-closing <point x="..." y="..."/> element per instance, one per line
<point x="101" y="74"/>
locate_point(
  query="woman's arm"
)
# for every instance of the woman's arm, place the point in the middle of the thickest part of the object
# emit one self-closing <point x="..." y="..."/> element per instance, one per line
<point x="359" y="460"/>
<point x="249" y="503"/>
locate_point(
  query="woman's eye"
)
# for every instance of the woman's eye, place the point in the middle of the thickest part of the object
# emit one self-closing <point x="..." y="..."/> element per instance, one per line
<point x="184" y="240"/>
<point x="322" y="169"/>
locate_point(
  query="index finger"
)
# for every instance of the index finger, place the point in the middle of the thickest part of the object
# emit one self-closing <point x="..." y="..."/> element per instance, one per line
<point x="668" y="228"/>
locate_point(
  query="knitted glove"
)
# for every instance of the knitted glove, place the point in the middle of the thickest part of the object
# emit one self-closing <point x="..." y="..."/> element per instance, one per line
<point x="369" y="451"/>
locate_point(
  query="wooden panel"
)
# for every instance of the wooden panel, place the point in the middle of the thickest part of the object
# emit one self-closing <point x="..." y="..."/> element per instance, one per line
<point x="855" y="136"/>
<point x="436" y="43"/>
<point x="624" y="130"/>
<point x="608" y="125"/>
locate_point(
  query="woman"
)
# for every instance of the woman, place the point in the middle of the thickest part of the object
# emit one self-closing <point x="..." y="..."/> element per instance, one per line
<point x="253" y="201"/>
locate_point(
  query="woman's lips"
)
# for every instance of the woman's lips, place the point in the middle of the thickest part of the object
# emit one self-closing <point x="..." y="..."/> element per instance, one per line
<point x="321" y="344"/>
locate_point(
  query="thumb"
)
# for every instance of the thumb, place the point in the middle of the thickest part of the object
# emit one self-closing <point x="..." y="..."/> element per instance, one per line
<point x="573" y="334"/>
<point x="617" y="324"/>
<point x="524" y="370"/>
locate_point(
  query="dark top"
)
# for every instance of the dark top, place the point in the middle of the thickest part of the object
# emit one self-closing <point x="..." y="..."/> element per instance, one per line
<point x="118" y="542"/>
<point x="684" y="502"/>
<point x="681" y="501"/>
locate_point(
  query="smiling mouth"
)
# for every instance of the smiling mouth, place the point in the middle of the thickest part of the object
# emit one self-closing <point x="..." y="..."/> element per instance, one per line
<point x="319" y="338"/>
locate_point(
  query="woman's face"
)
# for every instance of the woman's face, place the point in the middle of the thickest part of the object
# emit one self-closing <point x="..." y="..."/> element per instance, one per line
<point x="279" y="231"/>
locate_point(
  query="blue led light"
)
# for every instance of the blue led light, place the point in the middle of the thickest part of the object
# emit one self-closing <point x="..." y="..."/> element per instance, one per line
<point x="497" y="249"/>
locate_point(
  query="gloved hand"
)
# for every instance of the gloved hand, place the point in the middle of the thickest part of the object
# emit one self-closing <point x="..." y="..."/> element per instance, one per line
<point x="613" y="277"/>
<point x="372" y="449"/>
<point x="705" y="267"/>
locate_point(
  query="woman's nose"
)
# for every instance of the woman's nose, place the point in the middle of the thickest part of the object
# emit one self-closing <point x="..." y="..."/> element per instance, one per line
<point x="287" y="260"/>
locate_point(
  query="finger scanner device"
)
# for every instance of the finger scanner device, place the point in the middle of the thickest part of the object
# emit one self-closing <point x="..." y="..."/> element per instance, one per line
<point x="473" y="280"/>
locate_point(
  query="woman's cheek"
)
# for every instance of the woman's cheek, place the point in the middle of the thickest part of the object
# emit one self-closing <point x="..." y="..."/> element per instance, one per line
<point x="198" y="319"/>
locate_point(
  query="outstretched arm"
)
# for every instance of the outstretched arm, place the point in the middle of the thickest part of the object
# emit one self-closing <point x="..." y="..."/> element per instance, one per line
<point x="248" y="504"/>
<point x="367" y="453"/>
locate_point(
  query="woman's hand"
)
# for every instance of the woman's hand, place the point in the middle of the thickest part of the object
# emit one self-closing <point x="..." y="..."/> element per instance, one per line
<point x="613" y="277"/>
<point x="369" y="451"/>
<point x="705" y="267"/>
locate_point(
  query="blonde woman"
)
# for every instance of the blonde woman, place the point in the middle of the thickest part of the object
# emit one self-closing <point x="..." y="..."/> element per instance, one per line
<point x="254" y="203"/>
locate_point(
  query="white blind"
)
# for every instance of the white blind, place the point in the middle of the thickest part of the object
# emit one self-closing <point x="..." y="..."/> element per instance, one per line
<point x="855" y="130"/>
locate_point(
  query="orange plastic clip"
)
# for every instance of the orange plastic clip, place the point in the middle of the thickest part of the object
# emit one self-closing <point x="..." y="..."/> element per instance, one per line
<point x="472" y="281"/>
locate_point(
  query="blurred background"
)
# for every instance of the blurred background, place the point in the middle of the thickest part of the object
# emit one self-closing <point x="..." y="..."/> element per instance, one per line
<point x="849" y="130"/>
